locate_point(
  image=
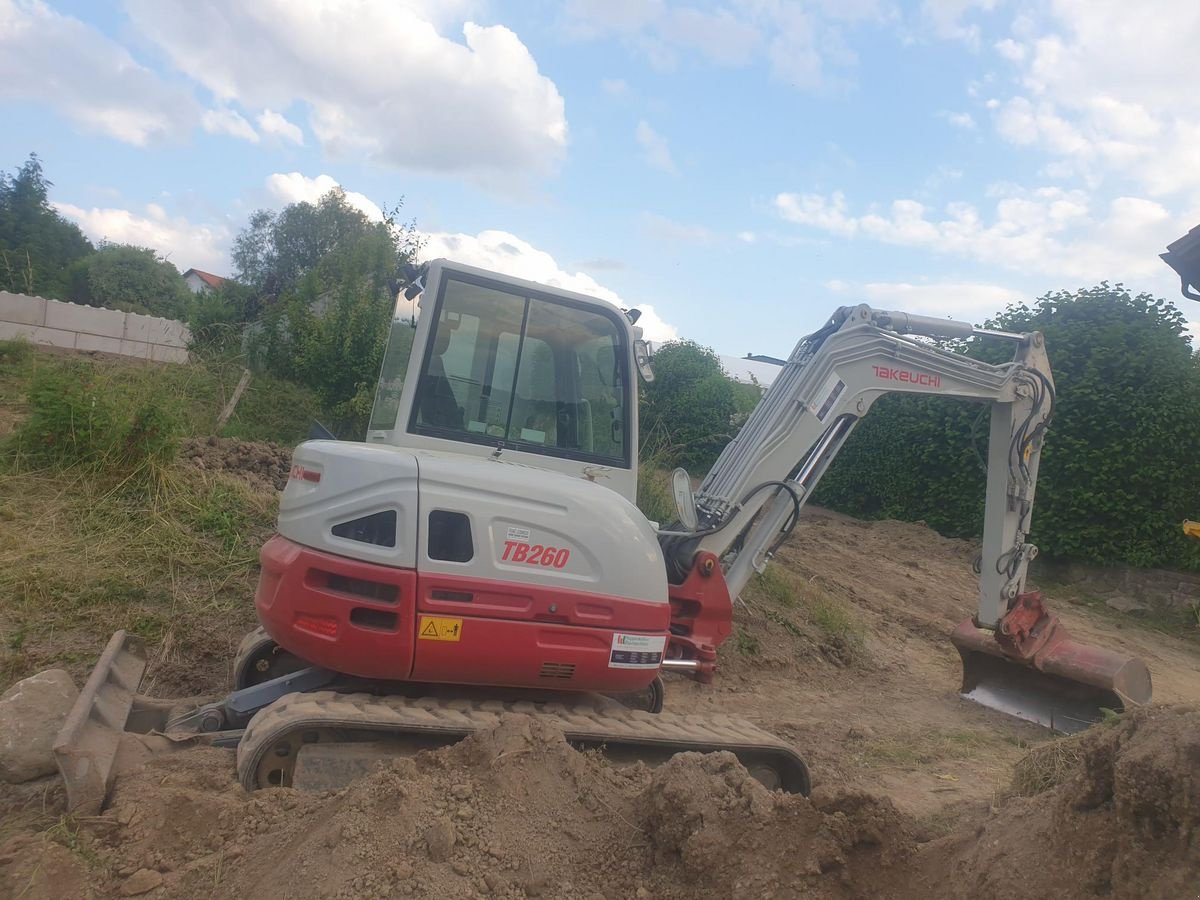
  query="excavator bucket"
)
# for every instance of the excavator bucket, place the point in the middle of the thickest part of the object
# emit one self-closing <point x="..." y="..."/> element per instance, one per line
<point x="86" y="746"/>
<point x="1065" y="686"/>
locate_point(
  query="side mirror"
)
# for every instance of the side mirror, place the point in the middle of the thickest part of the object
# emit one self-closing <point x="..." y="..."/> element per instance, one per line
<point x="641" y="355"/>
<point x="685" y="502"/>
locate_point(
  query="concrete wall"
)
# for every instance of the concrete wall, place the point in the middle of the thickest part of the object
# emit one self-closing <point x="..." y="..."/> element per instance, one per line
<point x="52" y="323"/>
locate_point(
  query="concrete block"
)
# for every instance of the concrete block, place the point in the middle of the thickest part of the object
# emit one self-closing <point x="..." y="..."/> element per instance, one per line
<point x="22" y="310"/>
<point x="138" y="349"/>
<point x="97" y="343"/>
<point x="161" y="353"/>
<point x="87" y="319"/>
<point x="155" y="330"/>
<point x="10" y="331"/>
<point x="53" y="337"/>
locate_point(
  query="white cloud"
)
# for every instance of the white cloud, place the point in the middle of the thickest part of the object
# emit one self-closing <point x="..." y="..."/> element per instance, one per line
<point x="228" y="121"/>
<point x="947" y="18"/>
<point x="50" y="58"/>
<point x="293" y="187"/>
<point x="966" y="301"/>
<point x="747" y="237"/>
<point x="186" y="244"/>
<point x="655" y="151"/>
<point x="378" y="78"/>
<point x="719" y="35"/>
<point x="615" y="87"/>
<point x="1049" y="230"/>
<point x="276" y="124"/>
<point x="800" y="42"/>
<point x="503" y="252"/>
<point x="963" y="120"/>
<point x="828" y="214"/>
<point x="1107" y="88"/>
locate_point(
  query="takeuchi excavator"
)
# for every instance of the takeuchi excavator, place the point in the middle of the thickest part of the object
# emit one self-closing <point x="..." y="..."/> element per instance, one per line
<point x="481" y="551"/>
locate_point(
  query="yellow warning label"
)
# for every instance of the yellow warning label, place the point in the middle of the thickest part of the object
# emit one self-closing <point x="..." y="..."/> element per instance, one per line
<point x="432" y="628"/>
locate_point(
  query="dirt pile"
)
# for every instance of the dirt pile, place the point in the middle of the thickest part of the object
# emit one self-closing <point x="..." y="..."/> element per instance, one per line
<point x="513" y="812"/>
<point x="1125" y="824"/>
<point x="264" y="466"/>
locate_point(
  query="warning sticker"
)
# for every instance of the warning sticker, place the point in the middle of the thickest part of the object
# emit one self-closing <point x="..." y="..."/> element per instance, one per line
<point x="433" y="628"/>
<point x="636" y="651"/>
<point x="825" y="398"/>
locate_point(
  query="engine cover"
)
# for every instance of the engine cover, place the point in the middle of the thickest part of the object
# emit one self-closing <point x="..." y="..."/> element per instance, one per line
<point x="415" y="565"/>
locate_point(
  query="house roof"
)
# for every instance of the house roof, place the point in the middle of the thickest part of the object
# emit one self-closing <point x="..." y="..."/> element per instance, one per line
<point x="208" y="278"/>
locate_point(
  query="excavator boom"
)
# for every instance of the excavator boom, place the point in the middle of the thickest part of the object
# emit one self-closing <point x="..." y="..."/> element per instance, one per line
<point x="1016" y="655"/>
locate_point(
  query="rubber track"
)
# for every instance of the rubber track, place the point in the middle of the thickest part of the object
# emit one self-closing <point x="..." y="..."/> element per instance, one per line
<point x="611" y="727"/>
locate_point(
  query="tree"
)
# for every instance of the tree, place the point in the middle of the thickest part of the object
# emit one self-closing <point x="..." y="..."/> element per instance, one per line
<point x="687" y="411"/>
<point x="325" y="278"/>
<point x="36" y="243"/>
<point x="276" y="250"/>
<point x="1121" y="465"/>
<point x="132" y="279"/>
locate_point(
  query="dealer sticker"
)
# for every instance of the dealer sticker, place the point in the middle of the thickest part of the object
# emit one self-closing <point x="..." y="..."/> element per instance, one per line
<point x="518" y="534"/>
<point x="636" y="651"/>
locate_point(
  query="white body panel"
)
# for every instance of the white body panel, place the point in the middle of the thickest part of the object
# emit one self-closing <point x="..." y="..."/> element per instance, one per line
<point x="611" y="549"/>
<point x="356" y="480"/>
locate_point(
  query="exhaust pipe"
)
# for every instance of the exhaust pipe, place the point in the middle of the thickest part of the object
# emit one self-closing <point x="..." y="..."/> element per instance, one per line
<point x="1064" y="685"/>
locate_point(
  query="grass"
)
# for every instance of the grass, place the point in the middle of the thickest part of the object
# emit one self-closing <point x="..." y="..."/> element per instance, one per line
<point x="193" y="395"/>
<point x="799" y="607"/>
<point x="745" y="643"/>
<point x="1046" y="766"/>
<point x="83" y="557"/>
<point x="914" y="749"/>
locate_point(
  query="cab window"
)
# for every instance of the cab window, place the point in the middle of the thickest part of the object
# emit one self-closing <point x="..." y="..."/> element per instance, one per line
<point x="531" y="372"/>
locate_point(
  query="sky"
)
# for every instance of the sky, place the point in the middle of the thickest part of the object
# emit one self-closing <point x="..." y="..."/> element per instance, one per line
<point x="737" y="170"/>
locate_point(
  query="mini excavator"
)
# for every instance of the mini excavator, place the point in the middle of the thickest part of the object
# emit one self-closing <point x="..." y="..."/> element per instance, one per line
<point x="481" y="550"/>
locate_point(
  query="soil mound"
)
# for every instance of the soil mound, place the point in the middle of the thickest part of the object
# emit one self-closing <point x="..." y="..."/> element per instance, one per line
<point x="512" y="812"/>
<point x="263" y="465"/>
<point x="1126" y="823"/>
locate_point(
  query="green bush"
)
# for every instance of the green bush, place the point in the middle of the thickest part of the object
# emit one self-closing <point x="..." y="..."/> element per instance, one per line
<point x="72" y="423"/>
<point x="689" y="410"/>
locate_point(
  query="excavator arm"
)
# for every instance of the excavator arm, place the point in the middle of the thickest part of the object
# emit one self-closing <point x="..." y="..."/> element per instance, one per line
<point x="753" y="495"/>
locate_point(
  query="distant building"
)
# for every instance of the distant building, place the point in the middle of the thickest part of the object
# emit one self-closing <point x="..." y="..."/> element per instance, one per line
<point x="760" y="370"/>
<point x="773" y="360"/>
<point x="752" y="369"/>
<point x="202" y="282"/>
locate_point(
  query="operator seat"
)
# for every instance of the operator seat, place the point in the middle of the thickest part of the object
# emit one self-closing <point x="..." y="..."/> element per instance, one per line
<point x="438" y="404"/>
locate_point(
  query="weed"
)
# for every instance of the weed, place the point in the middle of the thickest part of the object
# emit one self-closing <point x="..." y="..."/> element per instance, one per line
<point x="745" y="643"/>
<point x="785" y="623"/>
<point x="16" y="640"/>
<point x="834" y="617"/>
<point x="66" y="831"/>
<point x="773" y="584"/>
<point x="221" y="513"/>
<point x="15" y="353"/>
<point x="654" y="496"/>
<point x="1046" y="766"/>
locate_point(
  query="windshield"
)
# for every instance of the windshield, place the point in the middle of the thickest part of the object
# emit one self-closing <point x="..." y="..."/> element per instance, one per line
<point x="534" y="373"/>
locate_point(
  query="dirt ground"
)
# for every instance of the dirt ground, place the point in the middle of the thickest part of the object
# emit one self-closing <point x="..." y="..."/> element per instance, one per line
<point x="842" y="650"/>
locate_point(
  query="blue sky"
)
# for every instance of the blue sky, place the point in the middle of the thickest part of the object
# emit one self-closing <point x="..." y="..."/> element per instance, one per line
<point x="742" y="167"/>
